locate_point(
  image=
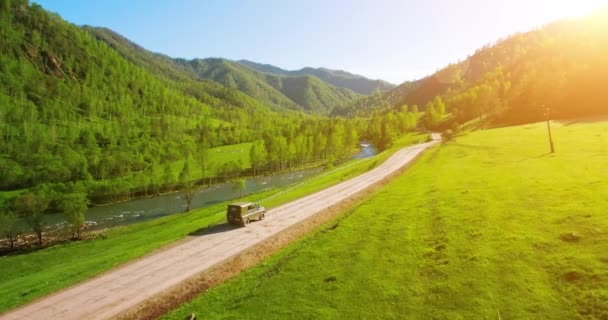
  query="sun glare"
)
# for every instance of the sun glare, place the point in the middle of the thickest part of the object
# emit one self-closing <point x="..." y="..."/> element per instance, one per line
<point x="573" y="9"/>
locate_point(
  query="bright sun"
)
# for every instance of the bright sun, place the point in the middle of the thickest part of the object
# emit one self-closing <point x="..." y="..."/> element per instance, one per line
<point x="574" y="8"/>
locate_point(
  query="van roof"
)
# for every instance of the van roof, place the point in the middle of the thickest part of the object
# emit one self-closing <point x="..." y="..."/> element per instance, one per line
<point x="240" y="204"/>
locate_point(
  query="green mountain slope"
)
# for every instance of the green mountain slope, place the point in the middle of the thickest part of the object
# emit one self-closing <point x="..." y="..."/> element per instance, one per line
<point x="308" y="92"/>
<point x="561" y="66"/>
<point x="233" y="75"/>
<point x="278" y="91"/>
<point x="73" y="111"/>
<point x="338" y="78"/>
<point x="196" y="70"/>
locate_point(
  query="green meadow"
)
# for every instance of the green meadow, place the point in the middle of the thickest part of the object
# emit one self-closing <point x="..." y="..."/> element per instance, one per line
<point x="488" y="226"/>
<point x="216" y="157"/>
<point x="29" y="275"/>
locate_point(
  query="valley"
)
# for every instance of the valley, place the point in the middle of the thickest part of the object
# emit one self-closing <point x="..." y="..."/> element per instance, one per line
<point x="477" y="190"/>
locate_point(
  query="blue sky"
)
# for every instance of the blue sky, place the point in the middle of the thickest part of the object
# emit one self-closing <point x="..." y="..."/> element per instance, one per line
<point x="394" y="40"/>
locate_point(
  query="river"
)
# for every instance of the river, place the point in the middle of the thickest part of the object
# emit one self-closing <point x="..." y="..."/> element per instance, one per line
<point x="144" y="209"/>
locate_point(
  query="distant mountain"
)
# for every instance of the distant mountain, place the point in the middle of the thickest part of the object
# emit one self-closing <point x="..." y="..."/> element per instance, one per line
<point x="338" y="78"/>
<point x="180" y="69"/>
<point x="304" y="93"/>
<point x="561" y="67"/>
<point x="307" y="92"/>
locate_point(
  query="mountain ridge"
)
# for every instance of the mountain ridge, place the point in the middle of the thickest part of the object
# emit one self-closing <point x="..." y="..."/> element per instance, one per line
<point x="299" y="93"/>
<point x="338" y="78"/>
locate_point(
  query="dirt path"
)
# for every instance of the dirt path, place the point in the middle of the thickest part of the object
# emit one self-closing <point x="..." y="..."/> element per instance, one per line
<point x="126" y="287"/>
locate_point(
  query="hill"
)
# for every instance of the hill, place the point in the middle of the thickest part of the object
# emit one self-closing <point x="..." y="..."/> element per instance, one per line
<point x="560" y="66"/>
<point x="338" y="78"/>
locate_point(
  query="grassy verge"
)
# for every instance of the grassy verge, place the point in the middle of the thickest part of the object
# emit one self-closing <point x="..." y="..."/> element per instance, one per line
<point x="488" y="226"/>
<point x="24" y="277"/>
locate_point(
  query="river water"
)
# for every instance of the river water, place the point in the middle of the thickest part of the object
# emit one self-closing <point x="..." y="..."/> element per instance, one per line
<point x="144" y="209"/>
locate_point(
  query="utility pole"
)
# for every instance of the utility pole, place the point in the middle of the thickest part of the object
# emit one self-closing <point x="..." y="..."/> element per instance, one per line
<point x="547" y="115"/>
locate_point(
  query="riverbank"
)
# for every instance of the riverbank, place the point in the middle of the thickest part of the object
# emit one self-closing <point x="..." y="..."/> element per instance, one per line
<point x="145" y="208"/>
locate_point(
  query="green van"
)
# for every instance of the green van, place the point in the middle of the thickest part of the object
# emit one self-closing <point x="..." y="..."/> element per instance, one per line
<point x="241" y="213"/>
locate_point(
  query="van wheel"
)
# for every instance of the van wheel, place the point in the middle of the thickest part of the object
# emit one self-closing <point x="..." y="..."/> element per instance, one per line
<point x="262" y="216"/>
<point x="246" y="221"/>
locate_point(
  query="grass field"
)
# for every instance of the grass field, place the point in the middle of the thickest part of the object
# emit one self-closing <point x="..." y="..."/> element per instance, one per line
<point x="216" y="158"/>
<point x="24" y="277"/>
<point x="489" y="226"/>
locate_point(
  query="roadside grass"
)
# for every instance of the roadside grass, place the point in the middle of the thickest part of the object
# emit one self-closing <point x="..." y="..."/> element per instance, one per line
<point x="489" y="226"/>
<point x="27" y="276"/>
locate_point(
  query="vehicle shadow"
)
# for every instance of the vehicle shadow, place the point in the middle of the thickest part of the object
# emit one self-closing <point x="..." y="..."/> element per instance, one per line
<point x="211" y="229"/>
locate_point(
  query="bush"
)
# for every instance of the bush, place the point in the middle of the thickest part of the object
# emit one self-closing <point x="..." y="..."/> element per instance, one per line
<point x="447" y="135"/>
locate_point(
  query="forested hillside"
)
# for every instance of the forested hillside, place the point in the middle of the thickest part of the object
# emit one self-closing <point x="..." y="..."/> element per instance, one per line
<point x="338" y="78"/>
<point x="77" y="117"/>
<point x="561" y="67"/>
<point x="306" y="92"/>
<point x="297" y="92"/>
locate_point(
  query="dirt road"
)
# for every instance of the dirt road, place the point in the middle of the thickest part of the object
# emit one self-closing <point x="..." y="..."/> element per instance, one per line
<point x="120" y="289"/>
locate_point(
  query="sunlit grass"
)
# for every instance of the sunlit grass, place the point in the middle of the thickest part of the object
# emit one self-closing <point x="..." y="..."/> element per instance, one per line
<point x="489" y="226"/>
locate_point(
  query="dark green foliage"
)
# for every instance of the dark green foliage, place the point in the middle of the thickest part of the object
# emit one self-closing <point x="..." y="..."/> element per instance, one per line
<point x="8" y="227"/>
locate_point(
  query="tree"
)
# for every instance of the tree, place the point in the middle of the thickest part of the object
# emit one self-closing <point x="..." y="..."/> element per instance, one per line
<point x="186" y="174"/>
<point x="240" y="185"/>
<point x="203" y="155"/>
<point x="387" y="133"/>
<point x="32" y="207"/>
<point x="8" y="227"/>
<point x="74" y="206"/>
<point x="431" y="117"/>
<point x="189" y="193"/>
<point x="439" y="105"/>
<point x="169" y="177"/>
<point x="258" y="156"/>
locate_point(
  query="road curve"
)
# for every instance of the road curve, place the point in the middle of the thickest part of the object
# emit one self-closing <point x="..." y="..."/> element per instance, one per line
<point x="122" y="288"/>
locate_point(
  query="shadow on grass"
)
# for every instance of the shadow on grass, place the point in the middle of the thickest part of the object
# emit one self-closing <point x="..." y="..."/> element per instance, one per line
<point x="218" y="228"/>
<point x="469" y="146"/>
<point x="516" y="161"/>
